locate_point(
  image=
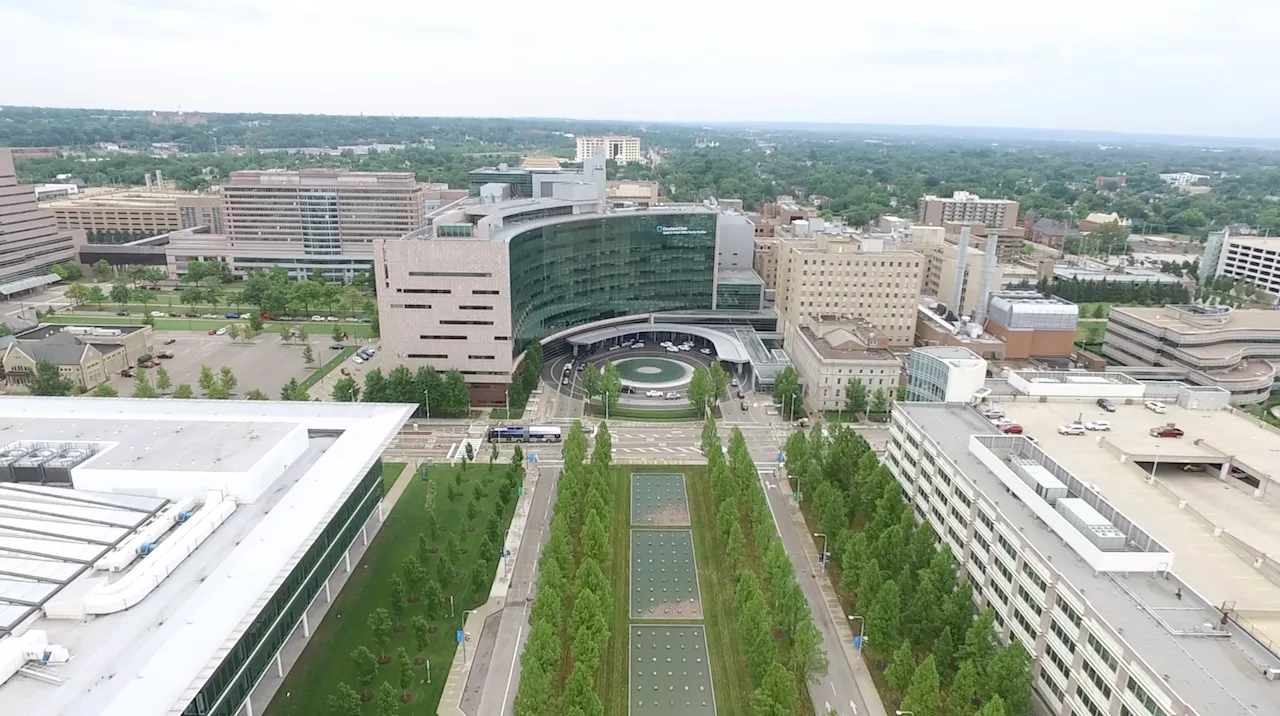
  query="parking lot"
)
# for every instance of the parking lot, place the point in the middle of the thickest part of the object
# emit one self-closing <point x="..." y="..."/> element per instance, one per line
<point x="266" y="364"/>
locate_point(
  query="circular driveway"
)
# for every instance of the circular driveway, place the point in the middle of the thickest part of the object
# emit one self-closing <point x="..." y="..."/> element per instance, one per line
<point x="653" y="372"/>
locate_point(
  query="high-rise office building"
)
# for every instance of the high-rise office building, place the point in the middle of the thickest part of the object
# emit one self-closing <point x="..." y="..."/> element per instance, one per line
<point x="966" y="207"/>
<point x="30" y="241"/>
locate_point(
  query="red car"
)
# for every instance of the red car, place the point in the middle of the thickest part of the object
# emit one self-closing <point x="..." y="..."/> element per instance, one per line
<point x="1167" y="431"/>
<point x="213" y="331"/>
<point x="268" y="317"/>
<point x="1012" y="430"/>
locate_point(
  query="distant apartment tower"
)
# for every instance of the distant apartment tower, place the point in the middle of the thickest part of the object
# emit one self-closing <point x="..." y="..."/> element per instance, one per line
<point x="1184" y="179"/>
<point x="1255" y="259"/>
<point x="30" y="241"/>
<point x="963" y="206"/>
<point x="621" y="149"/>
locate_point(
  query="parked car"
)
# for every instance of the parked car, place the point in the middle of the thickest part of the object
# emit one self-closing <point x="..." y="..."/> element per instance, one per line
<point x="636" y="345"/>
<point x="191" y="314"/>
<point x="673" y="349"/>
<point x="684" y="347"/>
<point x="1155" y="406"/>
<point x="653" y="394"/>
<point x="318" y="319"/>
<point x="357" y="360"/>
<point x="126" y="373"/>
<point x="366" y="320"/>
<point x="705" y="351"/>
<point x="1106" y="405"/>
<point x="172" y="314"/>
<point x="352" y="319"/>
<point x="144" y="359"/>
<point x="1166" y="431"/>
<point x="213" y="331"/>
<point x="744" y="405"/>
<point x="157" y="314"/>
<point x="1071" y="429"/>
<point x="614" y="348"/>
<point x="332" y="319"/>
<point x="336" y="347"/>
<point x="1012" y="429"/>
<point x="672" y="396"/>
<point x="165" y="354"/>
<point x="666" y="344"/>
<point x="993" y="413"/>
<point x="582" y="366"/>
<point x="122" y="313"/>
<point x="210" y="315"/>
<point x="266" y="316"/>
<point x="221" y="331"/>
<point x="171" y="341"/>
<point x="564" y="381"/>
<point x="740" y="394"/>
<point x="231" y="315"/>
<point x="734" y="382"/>
<point x="630" y="390"/>
<point x="344" y="371"/>
<point x="1097" y="425"/>
<point x="155" y="363"/>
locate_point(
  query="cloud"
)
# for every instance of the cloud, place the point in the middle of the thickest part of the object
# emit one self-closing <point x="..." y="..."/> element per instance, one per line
<point x="1170" y="66"/>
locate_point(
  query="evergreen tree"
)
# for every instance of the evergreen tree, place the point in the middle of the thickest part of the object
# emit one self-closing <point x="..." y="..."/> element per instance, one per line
<point x="965" y="688"/>
<point x="901" y="668"/>
<point x="776" y="695"/>
<point x="943" y="651"/>
<point x="993" y="707"/>
<point x="1009" y="677"/>
<point x="924" y="695"/>
<point x="884" y="619"/>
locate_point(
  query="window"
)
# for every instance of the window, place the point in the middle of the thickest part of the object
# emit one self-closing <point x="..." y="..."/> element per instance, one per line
<point x="443" y="338"/>
<point x="1070" y="611"/>
<point x="411" y="305"/>
<point x="1067" y="640"/>
<point x="465" y="323"/>
<point x="423" y="290"/>
<point x="1101" y="650"/>
<point x="438" y="356"/>
<point x="1036" y="579"/>
<point x="483" y="292"/>
<point x="1088" y="703"/>
<point x="476" y="308"/>
<point x="452" y="274"/>
<point x="474" y="357"/>
<point x="1098" y="682"/>
<point x="1144" y="698"/>
<point x="1063" y="666"/>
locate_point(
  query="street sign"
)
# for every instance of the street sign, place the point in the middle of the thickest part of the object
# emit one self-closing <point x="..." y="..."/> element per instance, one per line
<point x="858" y="641"/>
<point x="780" y="457"/>
<point x="461" y="636"/>
<point x="533" y="458"/>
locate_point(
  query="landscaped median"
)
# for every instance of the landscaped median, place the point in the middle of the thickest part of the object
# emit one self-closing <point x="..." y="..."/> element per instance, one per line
<point x="315" y="328"/>
<point x="435" y="557"/>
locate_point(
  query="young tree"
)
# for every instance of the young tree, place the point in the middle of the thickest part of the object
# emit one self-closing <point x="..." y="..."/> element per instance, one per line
<point x="286" y="333"/>
<point x="144" y="296"/>
<point x="344" y="701"/>
<point x="102" y="390"/>
<point x="432" y="599"/>
<point x="924" y="695"/>
<point x="227" y="379"/>
<point x="718" y="382"/>
<point x="96" y="296"/>
<point x="102" y="271"/>
<point x="255" y="322"/>
<point x="48" y="380"/>
<point x="256" y="394"/>
<point x="493" y="455"/>
<point x="337" y="334"/>
<point x="387" y="702"/>
<point x="855" y="398"/>
<point x="163" y="381"/>
<point x="233" y="331"/>
<point x="120" y="293"/>
<point x="183" y="391"/>
<point x="610" y="386"/>
<point x="380" y="627"/>
<point x="879" y="402"/>
<point x="965" y="689"/>
<point x="346" y="390"/>
<point x="1009" y="677"/>
<point x="591" y="381"/>
<point x="421" y="633"/>
<point x="293" y="391"/>
<point x="406" y="669"/>
<point x="943" y="650"/>
<point x="366" y="666"/>
<point x="901" y="668"/>
<point x="884" y="619"/>
<point x="787" y="392"/>
<point x="480" y="578"/>
<point x="808" y="660"/>
<point x="78" y="293"/>
<point x="308" y="355"/>
<point x="980" y="642"/>
<point x="994" y="706"/>
<point x="142" y="386"/>
<point x="700" y="390"/>
<point x="207" y="378"/>
<point x="397" y="596"/>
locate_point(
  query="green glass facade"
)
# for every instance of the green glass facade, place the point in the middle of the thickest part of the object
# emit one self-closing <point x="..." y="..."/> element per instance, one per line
<point x="240" y="670"/>
<point x="737" y="296"/>
<point x="926" y="378"/>
<point x="576" y="272"/>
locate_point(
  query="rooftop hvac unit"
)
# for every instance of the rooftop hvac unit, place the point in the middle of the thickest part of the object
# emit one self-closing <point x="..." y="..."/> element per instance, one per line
<point x="1096" y="528"/>
<point x="7" y="458"/>
<point x="1038" y="478"/>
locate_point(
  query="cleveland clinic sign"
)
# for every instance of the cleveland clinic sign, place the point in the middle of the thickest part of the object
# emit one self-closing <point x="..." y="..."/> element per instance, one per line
<point x="680" y="231"/>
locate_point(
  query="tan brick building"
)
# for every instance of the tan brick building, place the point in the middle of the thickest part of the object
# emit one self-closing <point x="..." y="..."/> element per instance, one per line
<point x="86" y="355"/>
<point x="30" y="240"/>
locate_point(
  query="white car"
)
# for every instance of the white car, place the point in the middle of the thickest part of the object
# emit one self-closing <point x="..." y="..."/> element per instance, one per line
<point x="157" y="314"/>
<point x="1071" y="429"/>
<point x="705" y="351"/>
<point x="614" y="348"/>
<point x="734" y="382"/>
<point x="352" y="319"/>
<point x="665" y="344"/>
<point x="1097" y="425"/>
<point x="637" y="345"/>
<point x="673" y="349"/>
<point x="1155" y="406"/>
<point x="684" y="347"/>
<point x="222" y="331"/>
<point x="332" y="319"/>
<point x="673" y="396"/>
<point x="653" y="394"/>
<point x="358" y="360"/>
<point x="1002" y="421"/>
<point x="210" y="315"/>
<point x="318" y="319"/>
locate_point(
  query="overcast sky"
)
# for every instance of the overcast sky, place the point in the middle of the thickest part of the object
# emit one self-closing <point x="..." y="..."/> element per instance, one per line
<point x="1207" y="67"/>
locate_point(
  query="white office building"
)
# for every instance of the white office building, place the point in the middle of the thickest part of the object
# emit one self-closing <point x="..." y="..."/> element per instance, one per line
<point x="157" y="557"/>
<point x="1140" y="587"/>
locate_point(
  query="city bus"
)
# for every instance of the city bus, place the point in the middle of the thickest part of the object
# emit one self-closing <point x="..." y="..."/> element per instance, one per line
<point x="519" y="434"/>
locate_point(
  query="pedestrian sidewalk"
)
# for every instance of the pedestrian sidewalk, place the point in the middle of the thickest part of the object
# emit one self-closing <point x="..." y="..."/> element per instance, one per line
<point x="852" y="655"/>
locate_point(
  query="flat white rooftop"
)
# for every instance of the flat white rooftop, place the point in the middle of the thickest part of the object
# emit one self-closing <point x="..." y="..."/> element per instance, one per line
<point x="153" y="658"/>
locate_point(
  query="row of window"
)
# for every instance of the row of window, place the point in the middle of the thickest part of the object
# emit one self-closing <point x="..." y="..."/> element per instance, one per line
<point x="474" y="291"/>
<point x="234" y="679"/>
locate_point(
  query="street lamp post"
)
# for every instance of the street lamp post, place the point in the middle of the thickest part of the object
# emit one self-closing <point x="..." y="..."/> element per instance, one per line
<point x="900" y="712"/>
<point x="426" y="406"/>
<point x="465" y="612"/>
<point x="862" y="626"/>
<point x="822" y="557"/>
<point x="428" y="671"/>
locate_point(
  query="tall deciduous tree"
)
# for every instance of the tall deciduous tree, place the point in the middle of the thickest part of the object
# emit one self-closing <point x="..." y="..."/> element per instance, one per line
<point x="855" y="398"/>
<point x="965" y="688"/>
<point x="344" y="701"/>
<point x="786" y="392"/>
<point x="346" y="390"/>
<point x="591" y="381"/>
<point x="387" y="702"/>
<point x="48" y="380"/>
<point x="884" y="619"/>
<point x="366" y="666"/>
<point x="611" y="386"/>
<point x="379" y="624"/>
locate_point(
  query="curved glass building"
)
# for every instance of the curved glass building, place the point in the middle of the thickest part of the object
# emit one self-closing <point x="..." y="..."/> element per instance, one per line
<point x="471" y="291"/>
<point x="580" y="270"/>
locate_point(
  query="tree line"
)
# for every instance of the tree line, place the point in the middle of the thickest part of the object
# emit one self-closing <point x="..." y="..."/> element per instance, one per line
<point x="420" y="593"/>
<point x="569" y="619"/>
<point x="783" y="647"/>
<point x="936" y="657"/>
<point x="1133" y="293"/>
<point x="446" y="395"/>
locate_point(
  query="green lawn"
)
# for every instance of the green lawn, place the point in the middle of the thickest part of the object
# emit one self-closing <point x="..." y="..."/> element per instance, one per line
<point x="660" y="414"/>
<point x="328" y="368"/>
<point x="1086" y="328"/>
<point x="319" y="330"/>
<point x="391" y="471"/>
<point x="728" y="671"/>
<point x="170" y="303"/>
<point x="326" y="660"/>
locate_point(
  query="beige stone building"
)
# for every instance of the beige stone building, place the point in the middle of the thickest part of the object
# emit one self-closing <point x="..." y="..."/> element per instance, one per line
<point x="31" y="242"/>
<point x="830" y="353"/>
<point x="942" y="269"/>
<point x="643" y="193"/>
<point x="963" y="206"/>
<point x="620" y="148"/>
<point x="86" y="355"/>
<point x="851" y="277"/>
<point x="136" y="211"/>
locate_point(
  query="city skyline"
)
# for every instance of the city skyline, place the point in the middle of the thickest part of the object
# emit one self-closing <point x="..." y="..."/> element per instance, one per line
<point x="985" y="64"/>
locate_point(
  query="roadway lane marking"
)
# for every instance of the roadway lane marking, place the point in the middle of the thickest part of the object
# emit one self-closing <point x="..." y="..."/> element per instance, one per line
<point x="515" y="654"/>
